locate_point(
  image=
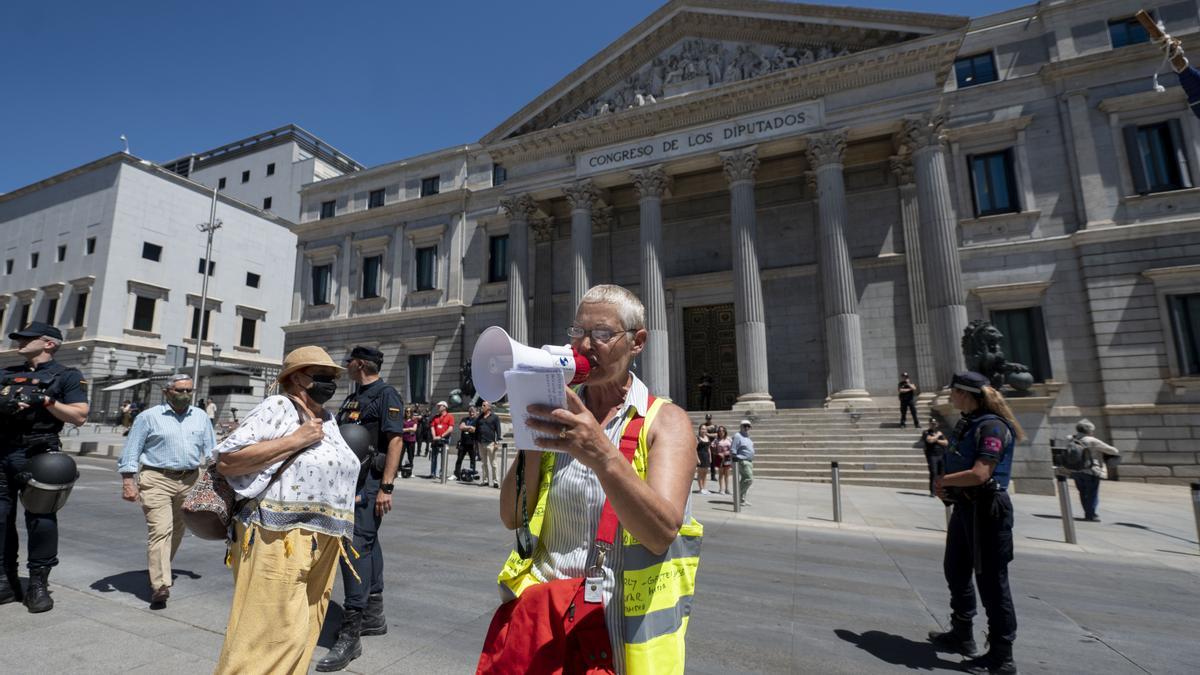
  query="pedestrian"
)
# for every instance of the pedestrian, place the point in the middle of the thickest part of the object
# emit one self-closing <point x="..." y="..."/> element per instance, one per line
<point x="289" y="540"/>
<point x="611" y="475"/>
<point x="1087" y="481"/>
<point x="711" y="432"/>
<point x="742" y="449"/>
<point x="159" y="465"/>
<point x="488" y="436"/>
<point x="376" y="406"/>
<point x="441" y="426"/>
<point x="210" y="408"/>
<point x="466" y="445"/>
<point x="37" y="398"/>
<point x="409" y="437"/>
<point x="979" y="540"/>
<point x="424" y="432"/>
<point x="705" y="387"/>
<point x="935" y="450"/>
<point x="908" y="394"/>
<point x="126" y="415"/>
<point x="721" y="448"/>
<point x="703" y="455"/>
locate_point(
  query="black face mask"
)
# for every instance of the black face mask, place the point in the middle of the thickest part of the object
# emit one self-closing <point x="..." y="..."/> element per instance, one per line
<point x="322" y="388"/>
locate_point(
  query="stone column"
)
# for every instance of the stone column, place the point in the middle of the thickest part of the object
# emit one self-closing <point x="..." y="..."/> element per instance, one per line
<point x="843" y="328"/>
<point x="939" y="244"/>
<point x="651" y="183"/>
<point x="582" y="196"/>
<point x="297" y="286"/>
<point x="344" y="264"/>
<point x="910" y="218"/>
<point x="740" y="166"/>
<point x="519" y="210"/>
<point x="543" y="284"/>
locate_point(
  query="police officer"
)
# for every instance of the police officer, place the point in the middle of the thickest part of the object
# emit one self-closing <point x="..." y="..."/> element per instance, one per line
<point x="978" y="465"/>
<point x="376" y="405"/>
<point x="36" y="400"/>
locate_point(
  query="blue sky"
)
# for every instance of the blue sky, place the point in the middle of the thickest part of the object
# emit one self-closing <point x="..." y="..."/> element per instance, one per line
<point x="380" y="81"/>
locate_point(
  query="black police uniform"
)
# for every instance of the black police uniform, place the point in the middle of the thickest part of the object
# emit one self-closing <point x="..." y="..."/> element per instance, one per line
<point x="23" y="435"/>
<point x="378" y="407"/>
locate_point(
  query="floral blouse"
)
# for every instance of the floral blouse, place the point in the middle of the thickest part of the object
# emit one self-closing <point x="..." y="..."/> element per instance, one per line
<point x="316" y="492"/>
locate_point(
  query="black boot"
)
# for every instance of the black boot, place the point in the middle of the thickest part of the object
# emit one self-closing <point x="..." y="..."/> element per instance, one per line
<point x="37" y="598"/>
<point x="373" y="621"/>
<point x="998" y="659"/>
<point x="10" y="587"/>
<point x="959" y="639"/>
<point x="348" y="647"/>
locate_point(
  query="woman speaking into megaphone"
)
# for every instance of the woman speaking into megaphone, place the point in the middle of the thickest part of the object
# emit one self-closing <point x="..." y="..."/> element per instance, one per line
<point x="607" y="546"/>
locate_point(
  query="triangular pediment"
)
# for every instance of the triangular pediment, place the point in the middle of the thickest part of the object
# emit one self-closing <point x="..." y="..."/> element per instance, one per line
<point x="692" y="46"/>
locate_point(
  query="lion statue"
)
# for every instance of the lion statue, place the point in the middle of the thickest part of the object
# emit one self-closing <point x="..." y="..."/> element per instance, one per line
<point x="981" y="349"/>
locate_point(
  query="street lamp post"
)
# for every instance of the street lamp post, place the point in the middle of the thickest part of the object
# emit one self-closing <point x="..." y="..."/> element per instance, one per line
<point x="208" y="228"/>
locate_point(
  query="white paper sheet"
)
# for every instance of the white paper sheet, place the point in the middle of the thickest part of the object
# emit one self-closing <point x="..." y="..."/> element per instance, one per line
<point x="528" y="386"/>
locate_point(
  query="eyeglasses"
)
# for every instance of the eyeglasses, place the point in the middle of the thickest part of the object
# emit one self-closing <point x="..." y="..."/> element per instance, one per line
<point x="598" y="334"/>
<point x="183" y="391"/>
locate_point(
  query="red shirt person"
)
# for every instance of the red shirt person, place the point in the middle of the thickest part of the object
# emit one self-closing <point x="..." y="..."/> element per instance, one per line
<point x="442" y="425"/>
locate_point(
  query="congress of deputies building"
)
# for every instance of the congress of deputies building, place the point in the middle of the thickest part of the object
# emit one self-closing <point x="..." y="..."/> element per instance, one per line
<point x="810" y="200"/>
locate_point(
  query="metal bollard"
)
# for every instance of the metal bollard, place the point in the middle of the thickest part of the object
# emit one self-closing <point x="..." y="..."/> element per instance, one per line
<point x="503" y="459"/>
<point x="1064" y="505"/>
<point x="837" y="492"/>
<point x="445" y="462"/>
<point x="737" y="486"/>
<point x="1196" y="507"/>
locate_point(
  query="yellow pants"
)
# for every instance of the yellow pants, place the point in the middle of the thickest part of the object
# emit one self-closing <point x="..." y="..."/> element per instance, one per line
<point x="279" y="600"/>
<point x="162" y="496"/>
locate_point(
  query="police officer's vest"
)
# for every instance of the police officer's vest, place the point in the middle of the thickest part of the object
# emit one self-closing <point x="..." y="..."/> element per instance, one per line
<point x="23" y="386"/>
<point x="657" y="590"/>
<point x="964" y="448"/>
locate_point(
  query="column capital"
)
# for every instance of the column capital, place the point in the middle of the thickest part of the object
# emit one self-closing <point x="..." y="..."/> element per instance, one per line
<point x="543" y="229"/>
<point x="582" y="195"/>
<point x="902" y="166"/>
<point x="926" y="131"/>
<point x="518" y="207"/>
<point x="826" y="149"/>
<point x="740" y="164"/>
<point x="603" y="218"/>
<point x="651" y="182"/>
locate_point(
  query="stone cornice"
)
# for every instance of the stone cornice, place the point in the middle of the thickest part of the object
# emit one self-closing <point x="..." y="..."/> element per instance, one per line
<point x="989" y="130"/>
<point x="339" y="324"/>
<point x="1142" y="100"/>
<point x="392" y="214"/>
<point x="1102" y="61"/>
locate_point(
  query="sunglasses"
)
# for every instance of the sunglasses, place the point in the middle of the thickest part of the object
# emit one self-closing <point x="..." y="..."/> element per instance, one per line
<point x="182" y="391"/>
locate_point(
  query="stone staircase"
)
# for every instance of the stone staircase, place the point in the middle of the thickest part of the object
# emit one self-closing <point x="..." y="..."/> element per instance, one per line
<point x="799" y="444"/>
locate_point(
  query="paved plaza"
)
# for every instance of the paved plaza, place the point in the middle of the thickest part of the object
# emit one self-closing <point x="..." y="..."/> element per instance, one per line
<point x="782" y="588"/>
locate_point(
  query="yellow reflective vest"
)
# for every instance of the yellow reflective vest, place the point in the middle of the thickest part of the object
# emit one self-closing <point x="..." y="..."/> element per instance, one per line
<point x="657" y="590"/>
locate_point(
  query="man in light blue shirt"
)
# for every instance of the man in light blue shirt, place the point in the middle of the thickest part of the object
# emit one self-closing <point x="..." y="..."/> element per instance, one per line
<point x="742" y="450"/>
<point x="159" y="465"/>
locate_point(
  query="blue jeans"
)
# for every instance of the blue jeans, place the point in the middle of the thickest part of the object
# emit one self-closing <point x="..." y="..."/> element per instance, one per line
<point x="1089" y="492"/>
<point x="435" y="451"/>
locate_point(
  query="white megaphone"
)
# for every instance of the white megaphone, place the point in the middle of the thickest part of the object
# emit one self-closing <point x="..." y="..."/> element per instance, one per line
<point x="496" y="352"/>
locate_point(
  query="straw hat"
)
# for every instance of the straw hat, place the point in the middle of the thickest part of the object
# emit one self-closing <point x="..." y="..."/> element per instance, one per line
<point x="303" y="357"/>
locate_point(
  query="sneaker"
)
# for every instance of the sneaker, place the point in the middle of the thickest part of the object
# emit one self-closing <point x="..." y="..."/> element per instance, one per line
<point x="746" y="503"/>
<point x="705" y="492"/>
<point x="453" y="477"/>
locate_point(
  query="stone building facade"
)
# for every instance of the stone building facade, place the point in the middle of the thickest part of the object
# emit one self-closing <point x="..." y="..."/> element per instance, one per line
<point x="811" y="200"/>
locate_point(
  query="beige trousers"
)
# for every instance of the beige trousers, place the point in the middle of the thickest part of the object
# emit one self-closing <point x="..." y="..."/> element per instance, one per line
<point x="489" y="474"/>
<point x="162" y="496"/>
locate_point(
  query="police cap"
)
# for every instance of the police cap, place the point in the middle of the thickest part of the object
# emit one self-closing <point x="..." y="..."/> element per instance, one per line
<point x="969" y="381"/>
<point x="366" y="354"/>
<point x="37" y="329"/>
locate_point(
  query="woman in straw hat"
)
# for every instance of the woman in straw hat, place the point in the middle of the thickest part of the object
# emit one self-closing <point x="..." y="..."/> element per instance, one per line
<point x="289" y="539"/>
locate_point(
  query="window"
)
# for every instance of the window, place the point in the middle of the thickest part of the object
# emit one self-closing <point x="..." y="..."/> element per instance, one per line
<point x="51" y="310"/>
<point x="246" y="339"/>
<point x="245" y="176"/>
<point x="220" y="183"/>
<point x="426" y="272"/>
<point x="327" y="209"/>
<point x="973" y="70"/>
<point x="143" y="314"/>
<point x="1157" y="158"/>
<point x="321" y="276"/>
<point x="33" y="260"/>
<point x="370" y="276"/>
<point x="499" y="174"/>
<point x="1185" y="325"/>
<point x="81" y="300"/>
<point x="1024" y="339"/>
<point x="197" y="329"/>
<point x="8" y="266"/>
<point x="24" y="315"/>
<point x="375" y="199"/>
<point x="498" y="258"/>
<point x="994" y="184"/>
<point x="271" y="169"/>
<point x="418" y="378"/>
<point x="62" y="252"/>
<point x="430" y="186"/>
<point x="252" y="279"/>
<point x="212" y="266"/>
<point x="91" y="245"/>
<point x="1128" y="31"/>
<point x="151" y="251"/>
<point x="266" y="203"/>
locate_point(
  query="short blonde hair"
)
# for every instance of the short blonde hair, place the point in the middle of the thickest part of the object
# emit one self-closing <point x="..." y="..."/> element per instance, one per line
<point x="629" y="307"/>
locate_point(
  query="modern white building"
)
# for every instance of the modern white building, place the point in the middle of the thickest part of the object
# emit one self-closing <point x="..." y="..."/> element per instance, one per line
<point x="267" y="170"/>
<point x="110" y="253"/>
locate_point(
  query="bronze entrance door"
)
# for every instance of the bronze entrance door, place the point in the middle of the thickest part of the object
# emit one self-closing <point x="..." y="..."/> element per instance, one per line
<point x="710" y="348"/>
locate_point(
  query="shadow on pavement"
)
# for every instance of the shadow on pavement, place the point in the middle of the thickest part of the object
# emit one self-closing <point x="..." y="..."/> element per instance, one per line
<point x="135" y="582"/>
<point x="912" y="494"/>
<point x="1151" y="529"/>
<point x="1051" y="516"/>
<point x="897" y="650"/>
